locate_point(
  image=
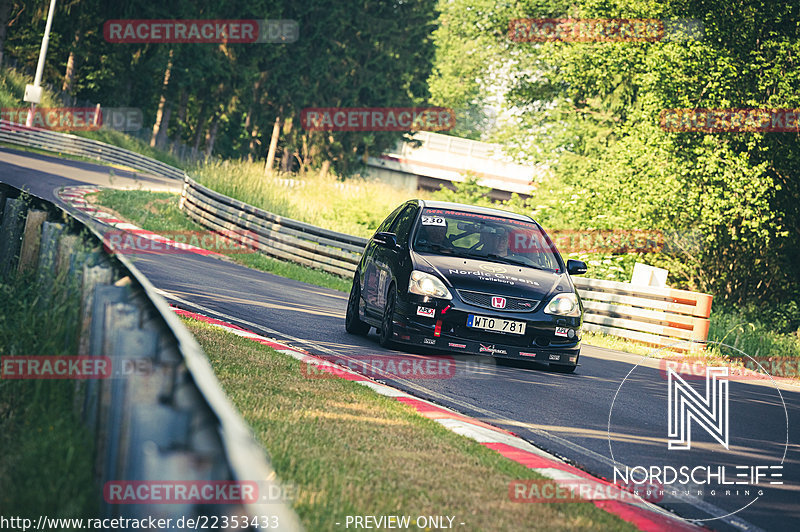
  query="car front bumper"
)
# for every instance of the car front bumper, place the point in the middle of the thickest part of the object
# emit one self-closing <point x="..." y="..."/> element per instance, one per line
<point x="446" y="329"/>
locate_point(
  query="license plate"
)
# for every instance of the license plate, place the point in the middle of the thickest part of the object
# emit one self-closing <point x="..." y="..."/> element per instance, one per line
<point x="495" y="324"/>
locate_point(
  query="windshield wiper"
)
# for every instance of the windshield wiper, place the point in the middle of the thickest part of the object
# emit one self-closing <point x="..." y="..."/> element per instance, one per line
<point x="438" y="248"/>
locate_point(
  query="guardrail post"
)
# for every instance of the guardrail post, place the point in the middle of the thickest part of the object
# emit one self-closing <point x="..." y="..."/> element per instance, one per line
<point x="48" y="249"/>
<point x="92" y="277"/>
<point x="66" y="249"/>
<point x="32" y="236"/>
<point x="117" y="317"/>
<point x="11" y="234"/>
<point x="103" y="296"/>
<point x="132" y="352"/>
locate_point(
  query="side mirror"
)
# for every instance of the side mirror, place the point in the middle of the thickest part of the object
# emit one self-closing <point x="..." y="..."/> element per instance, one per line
<point x="576" y="267"/>
<point x="387" y="240"/>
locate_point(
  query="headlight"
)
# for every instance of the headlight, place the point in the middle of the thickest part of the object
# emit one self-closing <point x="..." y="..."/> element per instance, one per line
<point x="564" y="305"/>
<point x="426" y="284"/>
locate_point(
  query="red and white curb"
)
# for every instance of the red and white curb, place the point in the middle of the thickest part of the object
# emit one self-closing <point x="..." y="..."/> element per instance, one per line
<point x="75" y="198"/>
<point x="643" y="515"/>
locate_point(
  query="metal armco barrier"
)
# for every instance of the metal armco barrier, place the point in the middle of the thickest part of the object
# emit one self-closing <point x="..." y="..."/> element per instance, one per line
<point x="44" y="139"/>
<point x="164" y="417"/>
<point x="661" y="316"/>
<point x="274" y="235"/>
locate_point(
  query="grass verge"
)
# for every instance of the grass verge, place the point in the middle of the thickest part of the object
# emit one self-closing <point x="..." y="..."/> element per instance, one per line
<point x="355" y="206"/>
<point x="159" y="212"/>
<point x="349" y="451"/>
<point x="47" y="453"/>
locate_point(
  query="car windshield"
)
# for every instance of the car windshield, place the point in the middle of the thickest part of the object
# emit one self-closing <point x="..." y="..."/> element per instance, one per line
<point x="484" y="237"/>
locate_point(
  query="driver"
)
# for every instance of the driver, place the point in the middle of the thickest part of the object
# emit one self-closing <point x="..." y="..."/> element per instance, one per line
<point x="435" y="235"/>
<point x="496" y="242"/>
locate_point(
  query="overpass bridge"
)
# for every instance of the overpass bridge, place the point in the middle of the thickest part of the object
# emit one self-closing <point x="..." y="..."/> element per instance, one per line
<point x="443" y="160"/>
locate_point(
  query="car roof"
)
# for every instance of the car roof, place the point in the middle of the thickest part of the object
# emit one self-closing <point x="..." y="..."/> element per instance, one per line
<point x="474" y="209"/>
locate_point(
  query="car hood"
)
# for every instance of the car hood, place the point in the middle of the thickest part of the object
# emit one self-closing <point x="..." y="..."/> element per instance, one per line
<point x="489" y="276"/>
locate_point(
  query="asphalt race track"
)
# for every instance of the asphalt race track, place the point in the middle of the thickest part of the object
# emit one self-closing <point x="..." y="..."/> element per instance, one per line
<point x="568" y="415"/>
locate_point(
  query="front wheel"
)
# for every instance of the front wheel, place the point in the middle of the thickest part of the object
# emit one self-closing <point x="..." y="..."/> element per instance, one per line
<point x="387" y="324"/>
<point x="352" y="323"/>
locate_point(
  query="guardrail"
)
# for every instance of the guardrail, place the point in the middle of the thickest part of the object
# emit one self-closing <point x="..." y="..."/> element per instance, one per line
<point x="661" y="316"/>
<point x="163" y="418"/>
<point x="55" y="141"/>
<point x="651" y="315"/>
<point x="279" y="237"/>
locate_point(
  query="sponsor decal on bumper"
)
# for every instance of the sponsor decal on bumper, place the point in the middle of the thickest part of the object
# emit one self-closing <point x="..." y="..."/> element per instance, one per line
<point x="492" y="349"/>
<point x="426" y="312"/>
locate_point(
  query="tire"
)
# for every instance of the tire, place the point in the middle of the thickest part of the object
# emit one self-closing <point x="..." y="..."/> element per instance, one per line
<point x="352" y="323"/>
<point x="562" y="368"/>
<point x="385" y="335"/>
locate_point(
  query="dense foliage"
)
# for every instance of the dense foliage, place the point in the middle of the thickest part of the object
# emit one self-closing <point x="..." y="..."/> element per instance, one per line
<point x="592" y="111"/>
<point x="226" y="97"/>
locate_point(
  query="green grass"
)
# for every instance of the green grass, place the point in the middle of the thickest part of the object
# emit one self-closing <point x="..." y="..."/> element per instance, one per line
<point x="12" y="89"/>
<point x="742" y="331"/>
<point x="121" y="140"/>
<point x="353" y="206"/>
<point x="349" y="451"/>
<point x="159" y="212"/>
<point x="47" y="452"/>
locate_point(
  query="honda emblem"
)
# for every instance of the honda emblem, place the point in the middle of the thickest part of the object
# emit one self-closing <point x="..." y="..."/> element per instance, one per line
<point x="499" y="302"/>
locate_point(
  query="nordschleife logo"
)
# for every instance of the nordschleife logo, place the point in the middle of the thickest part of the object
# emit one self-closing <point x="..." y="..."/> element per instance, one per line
<point x="685" y="405"/>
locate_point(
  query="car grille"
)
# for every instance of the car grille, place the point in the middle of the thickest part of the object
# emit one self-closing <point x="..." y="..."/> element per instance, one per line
<point x="513" y="304"/>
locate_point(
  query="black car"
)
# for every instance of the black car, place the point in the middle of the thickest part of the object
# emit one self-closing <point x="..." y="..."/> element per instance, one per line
<point x="471" y="280"/>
